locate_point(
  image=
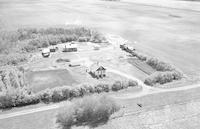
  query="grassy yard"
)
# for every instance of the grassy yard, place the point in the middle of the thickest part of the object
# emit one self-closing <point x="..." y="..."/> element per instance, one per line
<point x="40" y="80"/>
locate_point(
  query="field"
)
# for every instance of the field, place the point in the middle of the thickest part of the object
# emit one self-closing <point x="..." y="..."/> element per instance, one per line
<point x="166" y="29"/>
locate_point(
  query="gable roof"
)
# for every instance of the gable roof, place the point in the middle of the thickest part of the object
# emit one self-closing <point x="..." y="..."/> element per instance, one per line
<point x="101" y="68"/>
<point x="97" y="67"/>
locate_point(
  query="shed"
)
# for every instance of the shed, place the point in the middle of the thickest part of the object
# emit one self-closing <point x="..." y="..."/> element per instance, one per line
<point x="45" y="52"/>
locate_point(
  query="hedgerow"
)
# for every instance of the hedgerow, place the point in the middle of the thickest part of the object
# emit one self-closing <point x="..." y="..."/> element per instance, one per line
<point x="87" y="111"/>
<point x="162" y="77"/>
<point x="59" y="93"/>
<point x="159" y="65"/>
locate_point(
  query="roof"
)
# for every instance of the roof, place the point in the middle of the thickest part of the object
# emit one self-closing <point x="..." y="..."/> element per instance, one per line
<point x="45" y="50"/>
<point x="70" y="45"/>
<point x="97" y="67"/>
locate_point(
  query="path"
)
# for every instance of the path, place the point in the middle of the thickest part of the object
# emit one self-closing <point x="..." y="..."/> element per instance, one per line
<point x="29" y="111"/>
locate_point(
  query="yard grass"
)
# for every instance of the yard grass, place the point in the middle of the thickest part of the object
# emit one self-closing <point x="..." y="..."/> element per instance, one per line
<point x="40" y="80"/>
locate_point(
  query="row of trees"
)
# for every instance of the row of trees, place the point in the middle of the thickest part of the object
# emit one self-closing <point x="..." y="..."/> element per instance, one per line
<point x="162" y="77"/>
<point x="22" y="96"/>
<point x="29" y="39"/>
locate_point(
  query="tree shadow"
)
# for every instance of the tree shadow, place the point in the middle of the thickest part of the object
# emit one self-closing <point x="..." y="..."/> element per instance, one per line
<point x="94" y="123"/>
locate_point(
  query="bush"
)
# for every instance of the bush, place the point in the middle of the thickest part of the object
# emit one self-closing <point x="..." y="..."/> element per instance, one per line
<point x="83" y="39"/>
<point x="90" y="111"/>
<point x="141" y="57"/>
<point x="159" y="65"/>
<point x="28" y="48"/>
<point x="132" y="83"/>
<point x="117" y="86"/>
<point x="13" y="98"/>
<point x="97" y="37"/>
<point x="46" y="96"/>
<point x="75" y="92"/>
<point x="89" y="88"/>
<point x="163" y="77"/>
<point x="6" y="101"/>
<point x="57" y="95"/>
<point x="62" y="60"/>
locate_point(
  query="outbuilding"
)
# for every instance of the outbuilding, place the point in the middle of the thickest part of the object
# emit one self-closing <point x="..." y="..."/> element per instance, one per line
<point x="70" y="48"/>
<point x="45" y="52"/>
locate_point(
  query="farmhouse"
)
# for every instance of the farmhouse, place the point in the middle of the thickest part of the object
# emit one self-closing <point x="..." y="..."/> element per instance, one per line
<point x="70" y="48"/>
<point x="97" y="70"/>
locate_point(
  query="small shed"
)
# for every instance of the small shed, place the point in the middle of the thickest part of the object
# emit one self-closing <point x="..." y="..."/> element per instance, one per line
<point x="97" y="70"/>
<point x="45" y="52"/>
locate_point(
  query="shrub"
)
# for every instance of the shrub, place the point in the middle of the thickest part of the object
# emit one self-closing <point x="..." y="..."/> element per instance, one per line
<point x="6" y="101"/>
<point x="90" y="111"/>
<point x="117" y="86"/>
<point x="141" y="57"/>
<point x="18" y="97"/>
<point x="28" y="48"/>
<point x="62" y="60"/>
<point x="57" y="95"/>
<point x="97" y="37"/>
<point x="89" y="88"/>
<point x="46" y="96"/>
<point x="132" y="83"/>
<point x="68" y="38"/>
<point x="159" y="65"/>
<point x="102" y="88"/>
<point x="75" y="92"/>
<point x="83" y="39"/>
<point x="163" y="77"/>
<point x="65" y="92"/>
